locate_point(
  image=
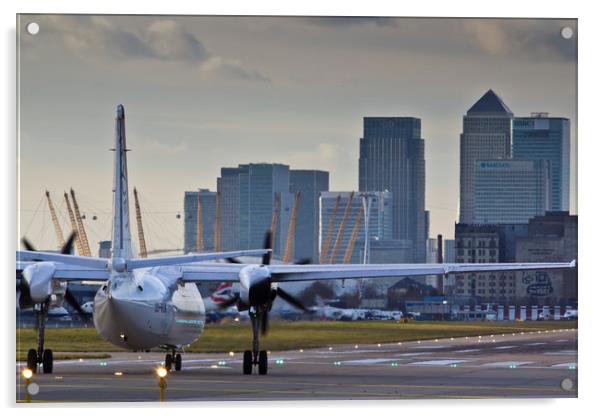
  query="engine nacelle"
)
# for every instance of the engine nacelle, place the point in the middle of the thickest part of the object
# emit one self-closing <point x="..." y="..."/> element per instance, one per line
<point x="38" y="277"/>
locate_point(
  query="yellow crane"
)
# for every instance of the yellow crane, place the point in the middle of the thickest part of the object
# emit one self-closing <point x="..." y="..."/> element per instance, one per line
<point x="331" y="222"/>
<point x="354" y="232"/>
<point x="217" y="232"/>
<point x="78" y="242"/>
<point x="80" y="227"/>
<point x="200" y="245"/>
<point x="291" y="229"/>
<point x="275" y="212"/>
<point x="141" y="240"/>
<point x="337" y="241"/>
<point x="55" y="221"/>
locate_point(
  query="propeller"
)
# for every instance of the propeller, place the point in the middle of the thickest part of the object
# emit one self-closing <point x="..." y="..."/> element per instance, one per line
<point x="25" y="298"/>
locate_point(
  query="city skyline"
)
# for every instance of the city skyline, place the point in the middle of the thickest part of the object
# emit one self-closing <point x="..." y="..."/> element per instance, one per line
<point x="301" y="106"/>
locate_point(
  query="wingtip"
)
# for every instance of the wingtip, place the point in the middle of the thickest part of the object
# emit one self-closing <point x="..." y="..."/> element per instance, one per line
<point x="573" y="263"/>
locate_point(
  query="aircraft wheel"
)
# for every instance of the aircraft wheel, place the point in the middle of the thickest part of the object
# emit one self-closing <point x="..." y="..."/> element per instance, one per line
<point x="32" y="360"/>
<point x="178" y="362"/>
<point x="47" y="361"/>
<point x="247" y="362"/>
<point x="168" y="362"/>
<point x="263" y="362"/>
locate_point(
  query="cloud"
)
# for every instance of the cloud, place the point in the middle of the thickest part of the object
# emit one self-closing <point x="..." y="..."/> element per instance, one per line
<point x="349" y="21"/>
<point x="534" y="39"/>
<point x="232" y="69"/>
<point x="163" y="148"/>
<point x="164" y="40"/>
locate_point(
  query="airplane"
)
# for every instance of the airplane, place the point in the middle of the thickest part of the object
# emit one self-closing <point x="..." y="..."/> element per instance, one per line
<point x="146" y="303"/>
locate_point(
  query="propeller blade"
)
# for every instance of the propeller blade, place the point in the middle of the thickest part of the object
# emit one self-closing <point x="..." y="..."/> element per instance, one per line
<point x="291" y="299"/>
<point x="264" y="322"/>
<point x="27" y="244"/>
<point x="267" y="244"/>
<point x="303" y="261"/>
<point x="70" y="299"/>
<point x="68" y="247"/>
<point x="229" y="302"/>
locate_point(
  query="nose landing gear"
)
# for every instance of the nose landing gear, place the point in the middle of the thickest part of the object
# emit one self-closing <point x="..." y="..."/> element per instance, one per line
<point x="41" y="356"/>
<point x="255" y="356"/>
<point x="174" y="360"/>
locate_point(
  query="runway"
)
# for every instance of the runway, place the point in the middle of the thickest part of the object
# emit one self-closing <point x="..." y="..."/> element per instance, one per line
<point x="519" y="365"/>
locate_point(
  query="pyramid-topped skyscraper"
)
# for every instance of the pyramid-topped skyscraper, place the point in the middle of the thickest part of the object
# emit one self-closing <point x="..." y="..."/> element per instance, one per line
<point x="486" y="135"/>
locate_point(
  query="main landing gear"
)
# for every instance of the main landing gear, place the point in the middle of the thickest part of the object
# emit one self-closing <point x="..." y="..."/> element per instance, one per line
<point x="41" y="356"/>
<point x="255" y="357"/>
<point x="174" y="360"/>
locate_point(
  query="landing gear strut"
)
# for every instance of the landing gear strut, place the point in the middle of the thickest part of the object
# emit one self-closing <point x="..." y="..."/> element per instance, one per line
<point x="255" y="357"/>
<point x="174" y="360"/>
<point x="41" y="356"/>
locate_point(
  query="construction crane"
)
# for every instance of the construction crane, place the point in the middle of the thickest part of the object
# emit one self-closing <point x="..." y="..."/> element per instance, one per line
<point x="337" y="241"/>
<point x="217" y="233"/>
<point x="80" y="226"/>
<point x="291" y="229"/>
<point x="354" y="232"/>
<point x="57" y="227"/>
<point x="200" y="245"/>
<point x="78" y="242"/>
<point x="331" y="222"/>
<point x="141" y="240"/>
<point x="275" y="218"/>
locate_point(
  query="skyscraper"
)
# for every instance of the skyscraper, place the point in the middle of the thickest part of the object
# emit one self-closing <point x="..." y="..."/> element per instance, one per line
<point x="392" y="159"/>
<point x="549" y="138"/>
<point x="249" y="196"/>
<point x="510" y="191"/>
<point x="309" y="183"/>
<point x="190" y="219"/>
<point x="486" y="134"/>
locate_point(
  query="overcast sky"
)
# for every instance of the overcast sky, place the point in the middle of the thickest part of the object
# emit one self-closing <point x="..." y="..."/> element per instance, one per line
<point x="201" y="93"/>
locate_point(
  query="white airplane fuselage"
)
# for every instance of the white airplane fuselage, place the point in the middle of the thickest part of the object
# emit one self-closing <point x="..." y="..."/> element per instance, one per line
<point x="148" y="308"/>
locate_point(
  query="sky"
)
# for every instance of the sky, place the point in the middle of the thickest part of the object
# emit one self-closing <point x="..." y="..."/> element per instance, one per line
<point x="205" y="92"/>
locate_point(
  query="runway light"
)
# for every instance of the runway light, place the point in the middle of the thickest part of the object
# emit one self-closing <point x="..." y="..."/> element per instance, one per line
<point x="236" y="319"/>
<point x="399" y="343"/>
<point x="81" y="360"/>
<point x="479" y="337"/>
<point x="118" y="373"/>
<point x="301" y="350"/>
<point x="436" y="340"/>
<point x="503" y="334"/>
<point x="418" y="342"/>
<point x="27" y="373"/>
<point x="139" y="357"/>
<point x="356" y="346"/>
<point x="451" y="339"/>
<point x="522" y="333"/>
<point x="161" y="372"/>
<point x="378" y="345"/>
<point x="231" y="353"/>
<point x="493" y="340"/>
<point x="270" y="352"/>
<point x="329" y="348"/>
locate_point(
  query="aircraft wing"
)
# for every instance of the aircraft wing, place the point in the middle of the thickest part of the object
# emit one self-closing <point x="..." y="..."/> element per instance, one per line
<point x="298" y="273"/>
<point x="211" y="272"/>
<point x="68" y="272"/>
